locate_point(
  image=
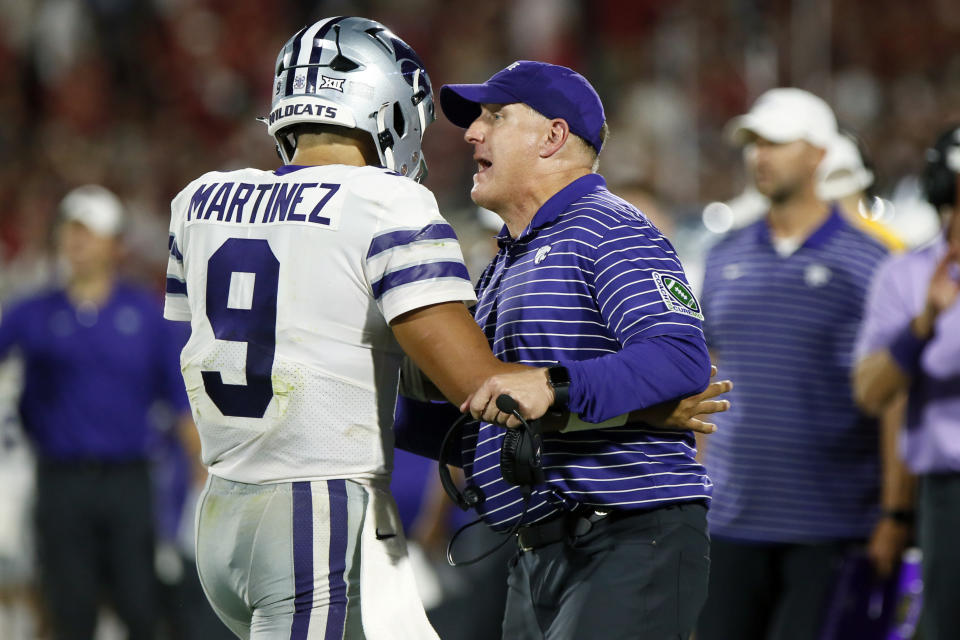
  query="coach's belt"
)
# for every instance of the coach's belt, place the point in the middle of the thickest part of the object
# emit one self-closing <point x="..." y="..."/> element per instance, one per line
<point x="571" y="524"/>
<point x="574" y="524"/>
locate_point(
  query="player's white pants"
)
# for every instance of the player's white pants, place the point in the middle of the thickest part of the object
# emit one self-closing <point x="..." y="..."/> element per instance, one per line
<point x="307" y="560"/>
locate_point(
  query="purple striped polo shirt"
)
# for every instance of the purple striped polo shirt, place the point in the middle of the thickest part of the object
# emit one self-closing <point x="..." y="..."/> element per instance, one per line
<point x="592" y="284"/>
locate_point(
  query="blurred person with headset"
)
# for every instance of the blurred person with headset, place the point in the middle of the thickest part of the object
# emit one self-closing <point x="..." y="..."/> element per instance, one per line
<point x="795" y="464"/>
<point x="910" y="342"/>
<point x="97" y="354"/>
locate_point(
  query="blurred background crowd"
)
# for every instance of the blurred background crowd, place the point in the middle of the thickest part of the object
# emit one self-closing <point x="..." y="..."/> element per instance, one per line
<point x="142" y="96"/>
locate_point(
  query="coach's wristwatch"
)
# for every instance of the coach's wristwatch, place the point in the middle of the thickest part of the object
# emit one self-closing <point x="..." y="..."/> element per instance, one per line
<point x="559" y="379"/>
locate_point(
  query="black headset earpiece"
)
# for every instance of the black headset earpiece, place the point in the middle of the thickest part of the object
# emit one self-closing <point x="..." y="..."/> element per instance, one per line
<point x="520" y="454"/>
<point x="939" y="177"/>
<point x="520" y="458"/>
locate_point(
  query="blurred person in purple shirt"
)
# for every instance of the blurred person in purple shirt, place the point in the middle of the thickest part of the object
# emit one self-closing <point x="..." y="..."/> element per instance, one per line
<point x="910" y="341"/>
<point x="97" y="354"/>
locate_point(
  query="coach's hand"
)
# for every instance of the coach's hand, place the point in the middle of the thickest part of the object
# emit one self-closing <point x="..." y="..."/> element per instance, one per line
<point x="530" y="388"/>
<point x="686" y="414"/>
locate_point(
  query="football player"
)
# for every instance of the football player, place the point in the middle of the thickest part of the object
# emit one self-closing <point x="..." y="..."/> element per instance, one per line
<point x="303" y="287"/>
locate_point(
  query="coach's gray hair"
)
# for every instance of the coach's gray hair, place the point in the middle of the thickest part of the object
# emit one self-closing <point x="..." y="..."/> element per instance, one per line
<point x="594" y="153"/>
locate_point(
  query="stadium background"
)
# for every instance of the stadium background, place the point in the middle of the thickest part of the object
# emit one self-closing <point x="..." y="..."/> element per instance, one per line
<point x="144" y="95"/>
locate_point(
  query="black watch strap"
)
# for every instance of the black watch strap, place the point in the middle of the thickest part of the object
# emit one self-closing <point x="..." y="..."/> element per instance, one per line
<point x="559" y="379"/>
<point x="900" y="516"/>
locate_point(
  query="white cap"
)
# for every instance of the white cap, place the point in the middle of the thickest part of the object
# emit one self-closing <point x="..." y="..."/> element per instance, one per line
<point x="841" y="171"/>
<point x="786" y="115"/>
<point x="94" y="207"/>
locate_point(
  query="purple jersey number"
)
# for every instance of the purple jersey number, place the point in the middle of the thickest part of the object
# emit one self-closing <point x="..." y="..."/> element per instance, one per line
<point x="255" y="326"/>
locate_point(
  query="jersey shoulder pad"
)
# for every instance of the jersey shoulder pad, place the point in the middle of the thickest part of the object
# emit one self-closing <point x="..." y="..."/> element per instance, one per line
<point x="385" y="188"/>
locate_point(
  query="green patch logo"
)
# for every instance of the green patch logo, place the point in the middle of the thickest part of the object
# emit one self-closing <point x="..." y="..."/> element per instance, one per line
<point x="677" y="296"/>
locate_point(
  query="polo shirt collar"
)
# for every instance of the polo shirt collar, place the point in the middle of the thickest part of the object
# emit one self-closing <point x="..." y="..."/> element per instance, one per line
<point x="557" y="204"/>
<point x="815" y="240"/>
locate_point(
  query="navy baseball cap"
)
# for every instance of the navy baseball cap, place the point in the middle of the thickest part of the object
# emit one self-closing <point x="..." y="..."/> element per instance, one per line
<point x="551" y="90"/>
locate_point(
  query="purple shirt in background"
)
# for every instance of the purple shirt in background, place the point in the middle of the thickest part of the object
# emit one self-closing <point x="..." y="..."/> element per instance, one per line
<point x="931" y="441"/>
<point x="91" y="375"/>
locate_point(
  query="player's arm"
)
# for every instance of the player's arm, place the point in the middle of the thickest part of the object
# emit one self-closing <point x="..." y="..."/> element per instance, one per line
<point x="446" y="344"/>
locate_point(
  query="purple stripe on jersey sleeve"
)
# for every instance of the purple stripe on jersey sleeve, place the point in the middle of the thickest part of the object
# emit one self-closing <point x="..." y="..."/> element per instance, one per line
<point x="429" y="271"/>
<point x="176" y="287"/>
<point x="393" y="239"/>
<point x="302" y="560"/>
<point x="174" y="250"/>
<point x="337" y="610"/>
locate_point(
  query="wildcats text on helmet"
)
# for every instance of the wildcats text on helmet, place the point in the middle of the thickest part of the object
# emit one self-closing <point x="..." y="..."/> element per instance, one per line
<point x="302" y="108"/>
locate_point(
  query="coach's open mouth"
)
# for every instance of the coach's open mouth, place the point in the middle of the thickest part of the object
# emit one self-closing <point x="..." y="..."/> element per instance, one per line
<point x="483" y="165"/>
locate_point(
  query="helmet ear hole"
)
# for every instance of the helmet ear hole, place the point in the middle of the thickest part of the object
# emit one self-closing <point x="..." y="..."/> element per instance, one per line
<point x="399" y="124"/>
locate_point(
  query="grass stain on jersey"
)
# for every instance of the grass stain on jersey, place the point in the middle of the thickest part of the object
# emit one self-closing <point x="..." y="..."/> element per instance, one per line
<point x="282" y="389"/>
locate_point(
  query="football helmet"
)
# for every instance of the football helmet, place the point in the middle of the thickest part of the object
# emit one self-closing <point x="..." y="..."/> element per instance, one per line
<point x="355" y="73"/>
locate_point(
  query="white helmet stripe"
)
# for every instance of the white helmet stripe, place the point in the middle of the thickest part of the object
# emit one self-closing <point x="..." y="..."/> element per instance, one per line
<point x="288" y="63"/>
<point x="307" y="46"/>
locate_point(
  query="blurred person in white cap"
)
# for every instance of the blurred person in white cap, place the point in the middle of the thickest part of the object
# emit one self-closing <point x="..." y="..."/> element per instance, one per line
<point x="97" y="355"/>
<point x="847" y="179"/>
<point x="795" y="465"/>
<point x="88" y="240"/>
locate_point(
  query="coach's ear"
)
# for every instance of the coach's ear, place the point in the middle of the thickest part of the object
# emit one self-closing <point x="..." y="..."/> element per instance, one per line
<point x="555" y="137"/>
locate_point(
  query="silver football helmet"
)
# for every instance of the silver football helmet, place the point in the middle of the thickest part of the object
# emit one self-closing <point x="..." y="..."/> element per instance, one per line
<point x="355" y="73"/>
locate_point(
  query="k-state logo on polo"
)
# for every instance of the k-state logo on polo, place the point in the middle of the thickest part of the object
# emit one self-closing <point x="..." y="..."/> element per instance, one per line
<point x="676" y="295"/>
<point x="541" y="254"/>
<point x="816" y="275"/>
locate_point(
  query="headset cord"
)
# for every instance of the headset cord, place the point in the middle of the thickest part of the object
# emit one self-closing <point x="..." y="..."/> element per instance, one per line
<point x="508" y="405"/>
<point x="527" y="492"/>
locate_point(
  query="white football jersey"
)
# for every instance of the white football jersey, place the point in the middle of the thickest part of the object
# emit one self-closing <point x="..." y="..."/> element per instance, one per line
<point x="289" y="280"/>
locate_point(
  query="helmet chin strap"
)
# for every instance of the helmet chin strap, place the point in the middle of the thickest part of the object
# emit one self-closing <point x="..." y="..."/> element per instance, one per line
<point x="421" y="111"/>
<point x="386" y="151"/>
<point x="286" y="147"/>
